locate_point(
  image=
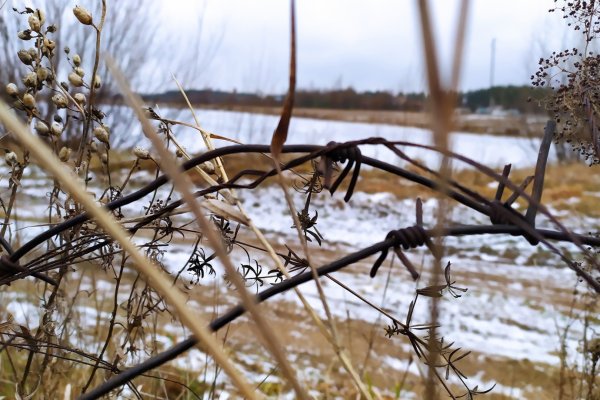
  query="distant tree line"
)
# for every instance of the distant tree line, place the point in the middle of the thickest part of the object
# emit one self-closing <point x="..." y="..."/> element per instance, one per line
<point x="521" y="98"/>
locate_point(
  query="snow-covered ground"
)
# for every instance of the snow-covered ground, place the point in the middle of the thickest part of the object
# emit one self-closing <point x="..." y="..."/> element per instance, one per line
<point x="505" y="314"/>
<point x="258" y="129"/>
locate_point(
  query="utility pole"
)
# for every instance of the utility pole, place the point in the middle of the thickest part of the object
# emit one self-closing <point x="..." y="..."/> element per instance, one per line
<point x="492" y="65"/>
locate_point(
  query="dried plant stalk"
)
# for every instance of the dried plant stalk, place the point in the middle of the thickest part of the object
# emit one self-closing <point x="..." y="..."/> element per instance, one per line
<point x="155" y="276"/>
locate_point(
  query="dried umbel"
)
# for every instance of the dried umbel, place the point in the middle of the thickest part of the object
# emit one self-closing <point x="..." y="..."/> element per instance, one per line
<point x="573" y="76"/>
<point x="82" y="15"/>
<point x="141" y="153"/>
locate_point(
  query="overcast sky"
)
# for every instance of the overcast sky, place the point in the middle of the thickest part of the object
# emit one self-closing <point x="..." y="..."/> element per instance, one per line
<point x="365" y="44"/>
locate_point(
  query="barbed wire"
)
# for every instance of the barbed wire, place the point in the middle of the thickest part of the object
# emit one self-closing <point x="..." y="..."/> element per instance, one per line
<point x="504" y="220"/>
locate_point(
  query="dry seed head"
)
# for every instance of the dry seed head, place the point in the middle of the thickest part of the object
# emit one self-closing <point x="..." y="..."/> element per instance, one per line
<point x="179" y="153"/>
<point x="104" y="158"/>
<point x="34" y="23"/>
<point x="41" y="128"/>
<point x="41" y="16"/>
<point x="83" y="15"/>
<point x="75" y="79"/>
<point x="12" y="90"/>
<point x="30" y="80"/>
<point x="79" y="71"/>
<point x="25" y="56"/>
<point x="64" y="154"/>
<point x="25" y="35"/>
<point x="42" y="73"/>
<point x="60" y="101"/>
<point x="11" y="158"/>
<point x="76" y="60"/>
<point x="80" y="98"/>
<point x="594" y="347"/>
<point x="208" y="167"/>
<point x="97" y="82"/>
<point x="49" y="44"/>
<point x="56" y="128"/>
<point x="101" y="134"/>
<point x="29" y="101"/>
<point x="94" y="147"/>
<point x="141" y="153"/>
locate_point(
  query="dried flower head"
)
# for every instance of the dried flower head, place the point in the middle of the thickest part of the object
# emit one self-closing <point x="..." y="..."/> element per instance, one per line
<point x="42" y="128"/>
<point x="141" y="153"/>
<point x="101" y="134"/>
<point x="57" y="128"/>
<point x="49" y="46"/>
<point x="64" y="154"/>
<point x="593" y="347"/>
<point x="12" y="90"/>
<point x="11" y="158"/>
<point x="573" y="76"/>
<point x="30" y="80"/>
<point x="208" y="167"/>
<point x="25" y="35"/>
<point x="80" y="98"/>
<point x="76" y="60"/>
<point x="83" y="15"/>
<point x="25" y="56"/>
<point x="75" y="79"/>
<point x="60" y="101"/>
<point x="79" y="71"/>
<point x="42" y="74"/>
<point x="97" y="82"/>
<point x="29" y="101"/>
<point x="41" y="16"/>
<point x="34" y="23"/>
